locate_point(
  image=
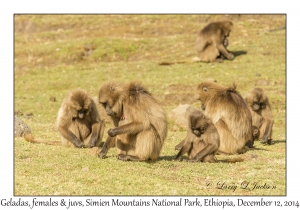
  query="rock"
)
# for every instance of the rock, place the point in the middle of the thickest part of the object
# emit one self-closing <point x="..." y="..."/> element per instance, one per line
<point x="21" y="127"/>
<point x="262" y="82"/>
<point x="180" y="113"/>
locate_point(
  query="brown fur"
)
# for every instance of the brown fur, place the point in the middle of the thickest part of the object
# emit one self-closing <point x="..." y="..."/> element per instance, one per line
<point x="202" y="140"/>
<point x="78" y="121"/>
<point x="230" y="115"/>
<point x="211" y="44"/>
<point x="255" y="132"/>
<point x="142" y="128"/>
<point x="212" y="41"/>
<point x="113" y="120"/>
<point x="260" y="108"/>
<point x="75" y="131"/>
<point x="255" y="136"/>
<point x="30" y="138"/>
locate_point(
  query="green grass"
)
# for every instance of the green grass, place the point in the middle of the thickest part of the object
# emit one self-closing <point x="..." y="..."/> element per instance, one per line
<point x="50" y="61"/>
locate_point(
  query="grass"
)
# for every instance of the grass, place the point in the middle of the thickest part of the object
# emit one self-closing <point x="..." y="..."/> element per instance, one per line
<point x="50" y="61"/>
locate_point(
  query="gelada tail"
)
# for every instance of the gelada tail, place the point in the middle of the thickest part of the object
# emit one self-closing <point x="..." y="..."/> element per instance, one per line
<point x="29" y="137"/>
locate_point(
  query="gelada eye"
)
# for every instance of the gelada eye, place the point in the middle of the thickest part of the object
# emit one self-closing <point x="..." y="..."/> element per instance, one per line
<point x="205" y="89"/>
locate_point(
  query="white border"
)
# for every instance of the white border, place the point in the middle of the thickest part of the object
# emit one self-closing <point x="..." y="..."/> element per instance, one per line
<point x="9" y="8"/>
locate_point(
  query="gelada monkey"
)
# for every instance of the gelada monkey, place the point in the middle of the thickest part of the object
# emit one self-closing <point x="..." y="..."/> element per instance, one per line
<point x="212" y="41"/>
<point x="211" y="44"/>
<point x="202" y="140"/>
<point x="78" y="122"/>
<point x="229" y="114"/>
<point x="113" y="120"/>
<point x="255" y="136"/>
<point x="256" y="132"/>
<point x="249" y="144"/>
<point x="260" y="108"/>
<point x="142" y="128"/>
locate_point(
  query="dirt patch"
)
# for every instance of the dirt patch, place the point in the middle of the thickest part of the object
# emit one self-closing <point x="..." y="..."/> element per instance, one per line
<point x="180" y="88"/>
<point x="178" y="94"/>
<point x="180" y="98"/>
<point x="262" y="82"/>
<point x="93" y="151"/>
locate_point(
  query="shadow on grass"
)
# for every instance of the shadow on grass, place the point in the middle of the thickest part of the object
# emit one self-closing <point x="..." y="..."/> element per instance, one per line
<point x="238" y="53"/>
<point x="279" y="141"/>
<point x="172" y="157"/>
<point x="169" y="158"/>
<point x="255" y="148"/>
<point x="273" y="142"/>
